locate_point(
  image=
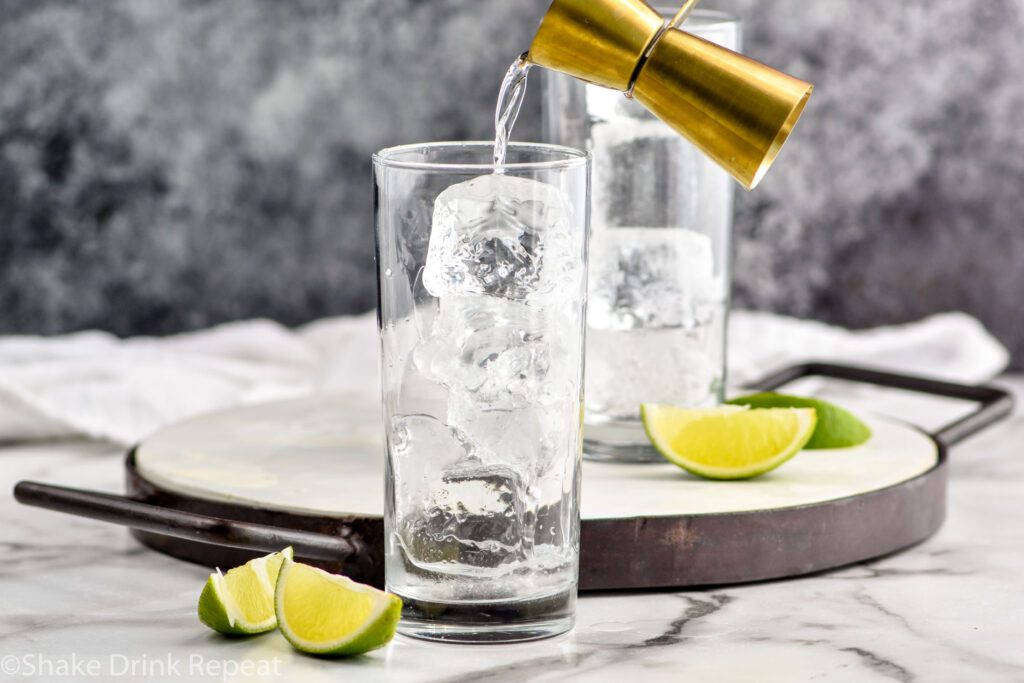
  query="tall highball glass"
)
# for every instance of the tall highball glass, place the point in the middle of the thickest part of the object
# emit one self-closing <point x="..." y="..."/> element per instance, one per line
<point x="482" y="283"/>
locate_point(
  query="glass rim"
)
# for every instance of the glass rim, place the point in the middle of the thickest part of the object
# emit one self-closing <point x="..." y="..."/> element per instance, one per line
<point x="572" y="157"/>
<point x="714" y="17"/>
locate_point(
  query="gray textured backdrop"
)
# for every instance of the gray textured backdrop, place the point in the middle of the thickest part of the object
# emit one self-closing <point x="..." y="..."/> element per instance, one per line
<point x="168" y="164"/>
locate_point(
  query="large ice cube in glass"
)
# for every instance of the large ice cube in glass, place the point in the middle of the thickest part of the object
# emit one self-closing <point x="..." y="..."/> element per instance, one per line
<point x="461" y="506"/>
<point x="675" y="365"/>
<point x="477" y="519"/>
<point x="513" y="436"/>
<point x="421" y="447"/>
<point x="503" y="236"/>
<point x="527" y="438"/>
<point x="502" y="355"/>
<point x="644" y="173"/>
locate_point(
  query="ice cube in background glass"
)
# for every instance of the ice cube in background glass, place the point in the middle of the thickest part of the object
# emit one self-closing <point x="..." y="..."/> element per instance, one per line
<point x="503" y="236"/>
<point x="656" y="365"/>
<point x="651" y="277"/>
<point x="643" y="197"/>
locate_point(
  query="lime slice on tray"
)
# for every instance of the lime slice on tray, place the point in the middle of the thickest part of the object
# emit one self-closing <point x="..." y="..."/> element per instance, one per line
<point x="241" y="602"/>
<point x="729" y="442"/>
<point x="329" y="614"/>
<point x="837" y="427"/>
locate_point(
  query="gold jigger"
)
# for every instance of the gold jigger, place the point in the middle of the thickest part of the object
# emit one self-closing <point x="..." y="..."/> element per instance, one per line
<point x="598" y="41"/>
<point x="736" y="110"/>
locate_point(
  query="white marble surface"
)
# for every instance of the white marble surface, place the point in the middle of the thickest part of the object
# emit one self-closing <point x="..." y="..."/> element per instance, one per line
<point x="81" y="600"/>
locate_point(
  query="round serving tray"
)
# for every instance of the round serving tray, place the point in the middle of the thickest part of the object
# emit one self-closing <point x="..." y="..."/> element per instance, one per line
<point x="316" y="464"/>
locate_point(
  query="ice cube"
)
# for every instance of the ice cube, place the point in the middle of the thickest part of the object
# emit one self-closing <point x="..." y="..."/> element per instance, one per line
<point x="421" y="446"/>
<point x="644" y="173"/>
<point x="651" y="277"/>
<point x="473" y="514"/>
<point x="531" y="439"/>
<point x="502" y="354"/>
<point x="521" y="437"/>
<point x="677" y="366"/>
<point x="454" y="507"/>
<point x="503" y="236"/>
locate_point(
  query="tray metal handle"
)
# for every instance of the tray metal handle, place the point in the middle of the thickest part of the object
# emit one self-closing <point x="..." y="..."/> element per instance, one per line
<point x="994" y="404"/>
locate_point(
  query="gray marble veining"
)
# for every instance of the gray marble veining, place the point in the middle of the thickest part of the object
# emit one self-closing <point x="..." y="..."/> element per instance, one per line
<point x="948" y="609"/>
<point x="167" y="165"/>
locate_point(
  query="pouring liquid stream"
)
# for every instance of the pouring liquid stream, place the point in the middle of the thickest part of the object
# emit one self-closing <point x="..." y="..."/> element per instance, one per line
<point x="510" y="100"/>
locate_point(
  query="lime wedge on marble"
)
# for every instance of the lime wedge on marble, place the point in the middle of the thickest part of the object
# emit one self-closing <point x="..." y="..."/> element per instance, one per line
<point x="837" y="427"/>
<point x="241" y="602"/>
<point x="328" y="614"/>
<point x="728" y="442"/>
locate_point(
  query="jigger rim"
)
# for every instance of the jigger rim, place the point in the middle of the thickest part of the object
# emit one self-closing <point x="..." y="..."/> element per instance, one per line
<point x="780" y="138"/>
<point x="569" y="156"/>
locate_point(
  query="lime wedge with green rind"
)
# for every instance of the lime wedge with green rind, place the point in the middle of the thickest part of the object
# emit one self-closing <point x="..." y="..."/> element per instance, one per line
<point x="329" y="614"/>
<point x="837" y="427"/>
<point x="728" y="442"/>
<point x="241" y="602"/>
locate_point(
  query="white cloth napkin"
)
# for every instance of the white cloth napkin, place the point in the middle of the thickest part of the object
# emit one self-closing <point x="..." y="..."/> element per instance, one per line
<point x="96" y="385"/>
<point x="947" y="346"/>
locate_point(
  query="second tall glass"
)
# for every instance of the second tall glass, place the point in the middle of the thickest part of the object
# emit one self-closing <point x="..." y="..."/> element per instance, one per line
<point x="659" y="256"/>
<point x="482" y="282"/>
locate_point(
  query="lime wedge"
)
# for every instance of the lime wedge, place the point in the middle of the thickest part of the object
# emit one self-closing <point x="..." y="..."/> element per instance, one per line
<point x="241" y="602"/>
<point x="837" y="427"/>
<point x="729" y="442"/>
<point x="329" y="614"/>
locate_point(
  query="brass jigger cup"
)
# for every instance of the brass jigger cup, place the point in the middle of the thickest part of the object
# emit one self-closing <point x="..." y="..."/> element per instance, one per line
<point x="734" y="109"/>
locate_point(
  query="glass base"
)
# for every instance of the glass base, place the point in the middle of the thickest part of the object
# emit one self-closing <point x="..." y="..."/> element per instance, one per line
<point x="635" y="453"/>
<point x="488" y="622"/>
<point x="619" y="441"/>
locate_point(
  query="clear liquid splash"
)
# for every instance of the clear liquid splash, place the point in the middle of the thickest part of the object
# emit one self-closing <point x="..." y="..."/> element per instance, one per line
<point x="510" y="100"/>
